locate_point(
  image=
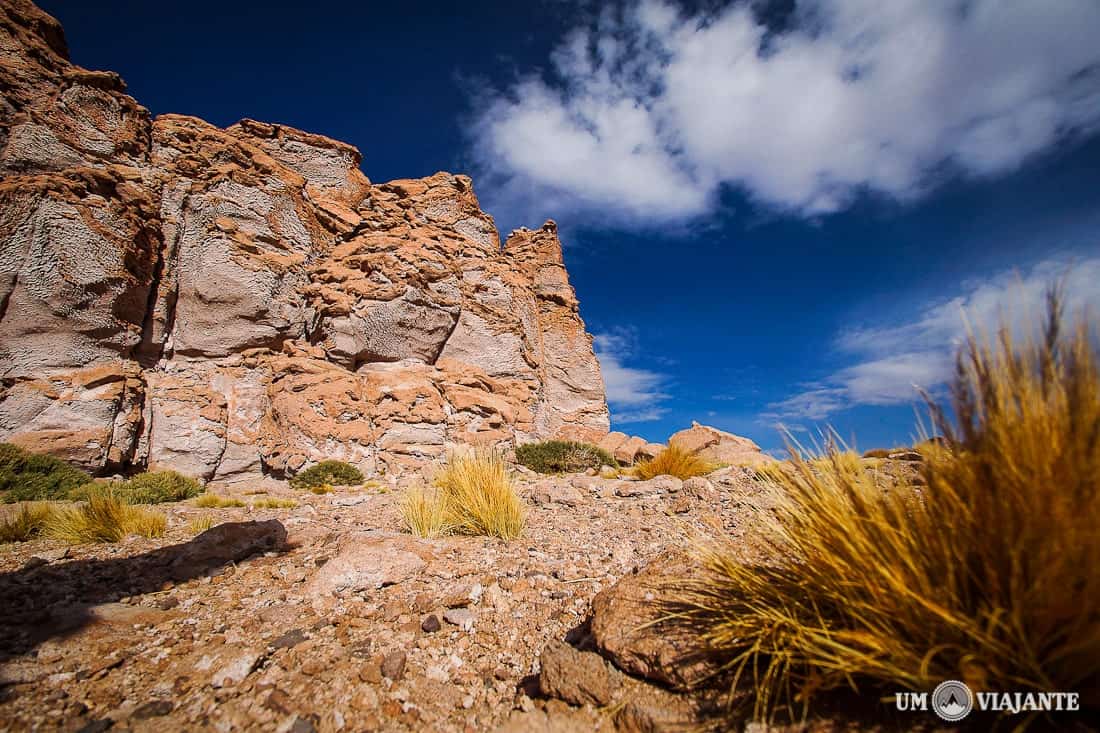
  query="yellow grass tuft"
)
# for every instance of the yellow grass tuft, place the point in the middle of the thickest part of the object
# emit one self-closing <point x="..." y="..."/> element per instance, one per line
<point x="274" y="504"/>
<point x="673" y="461"/>
<point x="104" y="517"/>
<point x="424" y="513"/>
<point x="26" y="523"/>
<point x="200" y="524"/>
<point x="322" y="489"/>
<point x="213" y="501"/>
<point x="474" y="496"/>
<point x="987" y="574"/>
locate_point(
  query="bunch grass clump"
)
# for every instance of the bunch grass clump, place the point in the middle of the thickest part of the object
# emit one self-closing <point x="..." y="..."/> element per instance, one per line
<point x="103" y="517"/>
<point x="474" y="496"/>
<point x="274" y="504"/>
<point x="987" y="573"/>
<point x="213" y="501"/>
<point x="200" y="524"/>
<point x="334" y="473"/>
<point x="424" y="513"/>
<point x="562" y="456"/>
<point x="26" y="476"/>
<point x="25" y="523"/>
<point x="673" y="461"/>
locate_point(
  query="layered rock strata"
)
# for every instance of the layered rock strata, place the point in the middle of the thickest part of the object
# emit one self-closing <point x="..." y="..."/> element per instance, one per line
<point x="231" y="302"/>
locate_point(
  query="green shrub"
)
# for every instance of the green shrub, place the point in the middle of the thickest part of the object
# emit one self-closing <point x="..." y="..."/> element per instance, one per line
<point x="335" y="473"/>
<point x="26" y="476"/>
<point x="562" y="456"/>
<point x="157" y="487"/>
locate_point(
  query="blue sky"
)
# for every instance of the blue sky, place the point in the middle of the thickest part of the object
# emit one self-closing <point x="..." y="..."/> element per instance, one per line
<point x="773" y="212"/>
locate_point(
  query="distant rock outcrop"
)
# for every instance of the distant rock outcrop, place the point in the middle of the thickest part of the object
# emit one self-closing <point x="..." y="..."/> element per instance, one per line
<point x="228" y="302"/>
<point x="718" y="446"/>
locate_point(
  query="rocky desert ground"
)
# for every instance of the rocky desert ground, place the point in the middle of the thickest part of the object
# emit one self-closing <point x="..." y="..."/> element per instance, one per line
<point x="329" y="617"/>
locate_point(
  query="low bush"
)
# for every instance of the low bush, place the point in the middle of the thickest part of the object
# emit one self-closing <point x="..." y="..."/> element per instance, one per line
<point x="26" y="523"/>
<point x="104" y="517"/>
<point x="26" y="476"/>
<point x="562" y="456"/>
<point x="158" y="487"/>
<point x="335" y="473"/>
<point x="986" y="573"/>
<point x="673" y="461"/>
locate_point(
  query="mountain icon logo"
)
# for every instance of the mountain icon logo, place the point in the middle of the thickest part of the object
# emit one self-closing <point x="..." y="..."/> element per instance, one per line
<point x="952" y="700"/>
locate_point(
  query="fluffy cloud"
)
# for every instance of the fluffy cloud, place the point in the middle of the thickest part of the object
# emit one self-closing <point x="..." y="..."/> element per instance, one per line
<point x="633" y="394"/>
<point x="646" y="113"/>
<point x="891" y="361"/>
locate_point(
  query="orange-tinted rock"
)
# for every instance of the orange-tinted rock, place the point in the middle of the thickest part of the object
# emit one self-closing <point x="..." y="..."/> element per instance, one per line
<point x="717" y="446"/>
<point x="253" y="300"/>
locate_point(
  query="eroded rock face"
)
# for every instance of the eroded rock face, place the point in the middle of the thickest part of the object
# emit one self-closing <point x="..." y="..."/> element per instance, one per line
<point x="228" y="302"/>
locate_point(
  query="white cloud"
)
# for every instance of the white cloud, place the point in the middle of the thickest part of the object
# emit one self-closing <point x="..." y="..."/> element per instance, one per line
<point x="648" y="111"/>
<point x="634" y="394"/>
<point x="893" y="360"/>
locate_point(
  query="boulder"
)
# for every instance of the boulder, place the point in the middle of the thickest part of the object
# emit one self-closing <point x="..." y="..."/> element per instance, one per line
<point x="627" y="452"/>
<point x="577" y="677"/>
<point x="624" y="631"/>
<point x="718" y="446"/>
<point x="368" y="561"/>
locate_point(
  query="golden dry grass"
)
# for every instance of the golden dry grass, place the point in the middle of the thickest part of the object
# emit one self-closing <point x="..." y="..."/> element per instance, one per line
<point x="274" y="504"/>
<point x="104" y="517"/>
<point x="25" y="523"/>
<point x="474" y="495"/>
<point x="200" y="524"/>
<point x="213" y="501"/>
<point x="987" y="574"/>
<point x="478" y="496"/>
<point x="673" y="461"/>
<point x="322" y="489"/>
<point x="424" y="513"/>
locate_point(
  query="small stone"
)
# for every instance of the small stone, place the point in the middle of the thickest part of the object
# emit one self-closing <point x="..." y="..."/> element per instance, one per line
<point x="234" y="668"/>
<point x="167" y="603"/>
<point x="290" y="639"/>
<point x="303" y="725"/>
<point x="153" y="709"/>
<point x="393" y="666"/>
<point x="430" y="624"/>
<point x="371" y="672"/>
<point x="463" y="618"/>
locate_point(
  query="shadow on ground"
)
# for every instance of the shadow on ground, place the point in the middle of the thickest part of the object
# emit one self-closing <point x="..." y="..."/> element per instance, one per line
<point x="48" y="600"/>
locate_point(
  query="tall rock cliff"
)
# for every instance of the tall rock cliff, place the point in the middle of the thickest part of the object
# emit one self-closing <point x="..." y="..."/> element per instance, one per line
<point x="230" y="302"/>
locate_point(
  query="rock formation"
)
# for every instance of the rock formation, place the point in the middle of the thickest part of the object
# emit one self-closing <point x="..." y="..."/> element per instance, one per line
<point x="230" y="302"/>
<point x="718" y="446"/>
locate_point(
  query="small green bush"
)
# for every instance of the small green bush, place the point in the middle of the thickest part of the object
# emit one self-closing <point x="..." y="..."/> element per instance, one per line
<point x="562" y="456"/>
<point x="157" y="487"/>
<point x="334" y="473"/>
<point x="26" y="476"/>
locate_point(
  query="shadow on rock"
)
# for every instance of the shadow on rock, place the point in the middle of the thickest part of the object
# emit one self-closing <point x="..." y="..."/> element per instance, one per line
<point x="45" y="601"/>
